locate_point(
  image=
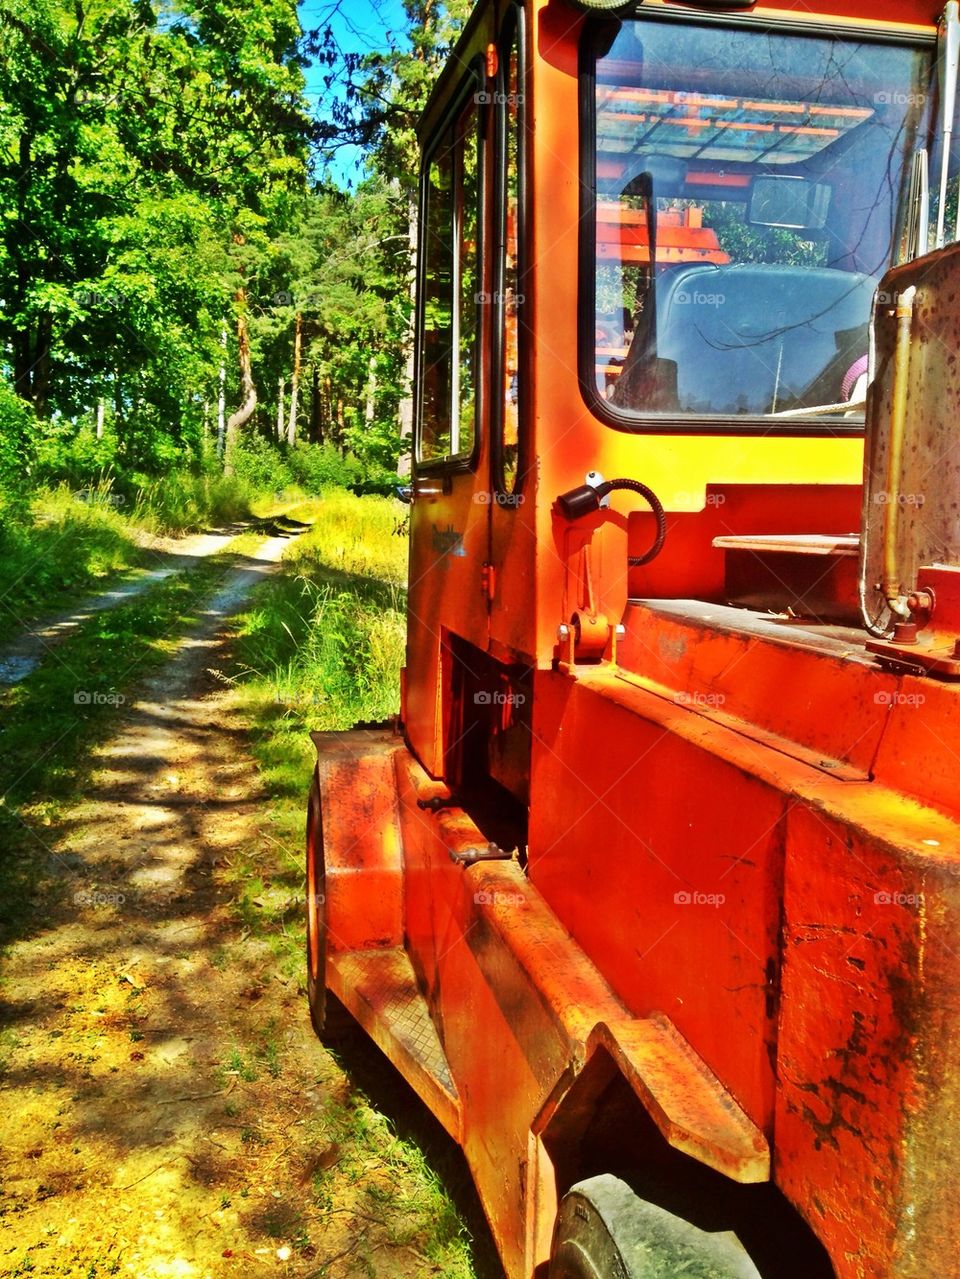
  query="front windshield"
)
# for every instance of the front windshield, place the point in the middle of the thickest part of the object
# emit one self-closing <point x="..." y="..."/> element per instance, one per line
<point x="749" y="195"/>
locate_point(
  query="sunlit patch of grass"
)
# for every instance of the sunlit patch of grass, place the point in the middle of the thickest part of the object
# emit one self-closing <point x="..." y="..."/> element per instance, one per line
<point x="405" y="1197"/>
<point x="183" y="502"/>
<point x="57" y="544"/>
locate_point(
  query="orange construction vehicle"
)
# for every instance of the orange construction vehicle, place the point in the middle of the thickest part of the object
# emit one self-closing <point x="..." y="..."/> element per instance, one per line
<point x="653" y="895"/>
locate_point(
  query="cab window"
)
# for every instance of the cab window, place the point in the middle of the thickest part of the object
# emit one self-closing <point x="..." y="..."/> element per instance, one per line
<point x="450" y="296"/>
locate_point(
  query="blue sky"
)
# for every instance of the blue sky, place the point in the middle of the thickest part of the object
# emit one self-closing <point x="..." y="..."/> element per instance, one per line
<point x="359" y="26"/>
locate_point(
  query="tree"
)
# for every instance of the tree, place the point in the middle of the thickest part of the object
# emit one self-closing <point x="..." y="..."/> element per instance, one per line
<point x="384" y="96"/>
<point x="133" y="144"/>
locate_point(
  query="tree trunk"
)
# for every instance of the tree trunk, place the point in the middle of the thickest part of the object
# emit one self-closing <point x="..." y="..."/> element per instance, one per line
<point x="101" y="407"/>
<point x="41" y="367"/>
<point x="222" y="399"/>
<point x="341" y="425"/>
<point x="316" y="409"/>
<point x="295" y="381"/>
<point x="248" y="391"/>
<point x="371" y="391"/>
<point x="281" y="384"/>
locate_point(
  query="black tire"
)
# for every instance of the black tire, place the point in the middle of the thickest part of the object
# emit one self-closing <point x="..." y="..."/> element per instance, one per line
<point x="605" y="1231"/>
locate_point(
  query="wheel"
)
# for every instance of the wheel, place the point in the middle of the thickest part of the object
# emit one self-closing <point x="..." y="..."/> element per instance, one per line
<point x="330" y="1019"/>
<point x="605" y="1231"/>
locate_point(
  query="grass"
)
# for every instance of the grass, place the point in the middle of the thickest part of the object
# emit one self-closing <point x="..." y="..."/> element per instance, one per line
<point x="320" y="647"/>
<point x="55" y="545"/>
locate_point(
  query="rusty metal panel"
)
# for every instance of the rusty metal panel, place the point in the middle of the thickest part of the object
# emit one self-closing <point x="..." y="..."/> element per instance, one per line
<point x="869" y="1042"/>
<point x="821" y="692"/>
<point x="380" y="989"/>
<point x="673" y="890"/>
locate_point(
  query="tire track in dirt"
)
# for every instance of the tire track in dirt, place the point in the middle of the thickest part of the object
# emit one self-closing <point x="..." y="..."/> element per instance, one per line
<point x="161" y="1083"/>
<point x="21" y="656"/>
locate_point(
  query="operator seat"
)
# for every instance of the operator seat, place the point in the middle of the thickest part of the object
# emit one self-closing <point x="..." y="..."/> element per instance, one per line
<point x="760" y="338"/>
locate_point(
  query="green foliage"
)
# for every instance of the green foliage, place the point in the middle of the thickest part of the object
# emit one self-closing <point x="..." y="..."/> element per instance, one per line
<point x="56" y="545"/>
<point x="325" y="642"/>
<point x="137" y="149"/>
<point x="261" y="465"/>
<point x="185" y="501"/>
<point x="18" y="432"/>
<point x="153" y="167"/>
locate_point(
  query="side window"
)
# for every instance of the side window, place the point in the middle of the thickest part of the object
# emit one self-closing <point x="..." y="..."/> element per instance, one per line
<point x="450" y="239"/>
<point x="512" y="300"/>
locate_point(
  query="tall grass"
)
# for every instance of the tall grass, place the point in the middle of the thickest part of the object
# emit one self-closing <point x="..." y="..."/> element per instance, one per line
<point x="325" y="642"/>
<point x="55" y="543"/>
<point x="58" y="542"/>
<point x="183" y="502"/>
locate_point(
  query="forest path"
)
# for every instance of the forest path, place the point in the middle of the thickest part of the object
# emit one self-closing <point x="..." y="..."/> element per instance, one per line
<point x="161" y="1109"/>
<point x="21" y="656"/>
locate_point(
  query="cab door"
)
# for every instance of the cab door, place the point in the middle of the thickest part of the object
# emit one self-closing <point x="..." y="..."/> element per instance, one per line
<point x="449" y="526"/>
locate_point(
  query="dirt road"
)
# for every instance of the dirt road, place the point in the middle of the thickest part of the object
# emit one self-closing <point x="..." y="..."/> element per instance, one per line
<point x="166" y="1110"/>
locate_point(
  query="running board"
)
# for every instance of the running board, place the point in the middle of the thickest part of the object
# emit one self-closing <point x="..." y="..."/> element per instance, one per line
<point x="379" y="987"/>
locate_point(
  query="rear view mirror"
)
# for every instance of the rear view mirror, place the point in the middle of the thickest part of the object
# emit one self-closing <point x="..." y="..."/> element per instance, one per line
<point x="783" y="201"/>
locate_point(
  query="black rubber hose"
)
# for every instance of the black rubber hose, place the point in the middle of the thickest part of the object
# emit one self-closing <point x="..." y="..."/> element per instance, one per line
<point x="648" y="495"/>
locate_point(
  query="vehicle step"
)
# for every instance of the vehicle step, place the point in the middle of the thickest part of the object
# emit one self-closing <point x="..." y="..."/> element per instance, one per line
<point x="380" y="989"/>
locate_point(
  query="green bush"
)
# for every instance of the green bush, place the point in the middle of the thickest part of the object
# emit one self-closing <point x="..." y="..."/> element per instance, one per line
<point x="261" y="464"/>
<point x="19" y="429"/>
<point x="320" y="466"/>
<point x="76" y="456"/>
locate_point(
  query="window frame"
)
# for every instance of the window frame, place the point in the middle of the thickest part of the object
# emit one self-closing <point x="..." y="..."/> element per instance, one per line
<point x="513" y="27"/>
<point x="471" y="86"/>
<point x="743" y="426"/>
